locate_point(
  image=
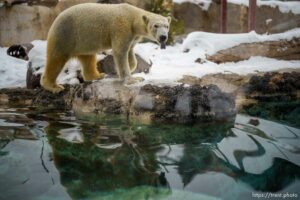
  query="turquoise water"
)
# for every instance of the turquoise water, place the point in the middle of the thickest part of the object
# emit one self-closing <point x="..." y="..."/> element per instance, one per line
<point x="47" y="155"/>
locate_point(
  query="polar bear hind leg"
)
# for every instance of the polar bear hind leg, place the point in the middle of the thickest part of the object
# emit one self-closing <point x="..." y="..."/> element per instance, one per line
<point x="53" y="67"/>
<point x="89" y="67"/>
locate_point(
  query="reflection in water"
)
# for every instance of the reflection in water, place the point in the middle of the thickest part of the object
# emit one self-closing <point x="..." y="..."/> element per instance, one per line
<point x="52" y="155"/>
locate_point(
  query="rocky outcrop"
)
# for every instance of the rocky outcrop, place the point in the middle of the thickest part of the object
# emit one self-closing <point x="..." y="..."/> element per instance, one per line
<point x="184" y="104"/>
<point x="272" y="95"/>
<point x="282" y="49"/>
<point x="144" y="104"/>
<point x="212" y="98"/>
<point x="151" y="103"/>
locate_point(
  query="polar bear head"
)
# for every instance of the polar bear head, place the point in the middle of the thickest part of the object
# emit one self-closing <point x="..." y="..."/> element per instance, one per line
<point x="157" y="28"/>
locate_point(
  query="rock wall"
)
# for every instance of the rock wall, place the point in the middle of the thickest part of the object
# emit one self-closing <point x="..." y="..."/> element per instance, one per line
<point x="197" y="19"/>
<point x="22" y="23"/>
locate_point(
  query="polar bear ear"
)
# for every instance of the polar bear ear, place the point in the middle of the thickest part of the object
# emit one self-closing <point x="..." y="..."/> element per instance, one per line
<point x="169" y="19"/>
<point x="145" y="19"/>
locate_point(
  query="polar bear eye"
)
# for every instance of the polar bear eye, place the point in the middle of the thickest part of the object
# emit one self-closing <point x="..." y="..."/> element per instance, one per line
<point x="155" y="26"/>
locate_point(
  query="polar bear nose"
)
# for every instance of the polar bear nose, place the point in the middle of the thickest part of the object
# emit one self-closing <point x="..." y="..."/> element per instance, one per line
<point x="162" y="38"/>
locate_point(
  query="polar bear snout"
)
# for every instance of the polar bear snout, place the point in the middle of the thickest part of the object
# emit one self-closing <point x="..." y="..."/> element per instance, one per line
<point x="162" y="34"/>
<point x="163" y="38"/>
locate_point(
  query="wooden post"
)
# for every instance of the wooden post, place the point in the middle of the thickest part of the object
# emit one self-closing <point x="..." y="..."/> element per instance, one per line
<point x="252" y="15"/>
<point x="223" y="16"/>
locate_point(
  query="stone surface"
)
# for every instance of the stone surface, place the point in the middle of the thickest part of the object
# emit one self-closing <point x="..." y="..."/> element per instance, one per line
<point x="151" y="103"/>
<point x="22" y="23"/>
<point x="188" y="104"/>
<point x="195" y="18"/>
<point x="107" y="65"/>
<point x="32" y="80"/>
<point x="282" y="49"/>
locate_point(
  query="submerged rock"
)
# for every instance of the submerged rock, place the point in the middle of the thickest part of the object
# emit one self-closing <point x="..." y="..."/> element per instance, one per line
<point x="274" y="96"/>
<point x="275" y="82"/>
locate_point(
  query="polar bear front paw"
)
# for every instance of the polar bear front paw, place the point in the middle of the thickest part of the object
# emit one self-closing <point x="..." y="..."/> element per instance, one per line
<point x="94" y="76"/>
<point x="101" y="76"/>
<point x="56" y="88"/>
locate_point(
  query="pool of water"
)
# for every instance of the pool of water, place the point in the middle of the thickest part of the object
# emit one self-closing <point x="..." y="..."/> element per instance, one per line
<point x="47" y="155"/>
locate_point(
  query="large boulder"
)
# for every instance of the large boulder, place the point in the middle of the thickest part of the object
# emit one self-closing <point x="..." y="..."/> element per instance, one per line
<point x="107" y="65"/>
<point x="281" y="49"/>
<point x="136" y="103"/>
<point x="152" y="103"/>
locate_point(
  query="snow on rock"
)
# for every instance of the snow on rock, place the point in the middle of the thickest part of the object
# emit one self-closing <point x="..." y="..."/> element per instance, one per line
<point x="37" y="56"/>
<point x="12" y="70"/>
<point x="178" y="60"/>
<point x="213" y="42"/>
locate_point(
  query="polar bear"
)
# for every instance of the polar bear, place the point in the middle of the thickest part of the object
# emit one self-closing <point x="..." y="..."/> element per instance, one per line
<point x="85" y="29"/>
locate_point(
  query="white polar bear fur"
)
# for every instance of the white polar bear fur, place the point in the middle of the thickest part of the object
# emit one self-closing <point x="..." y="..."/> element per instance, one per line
<point x="85" y="29"/>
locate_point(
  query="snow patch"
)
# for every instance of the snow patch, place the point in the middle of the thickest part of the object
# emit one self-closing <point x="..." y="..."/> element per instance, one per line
<point x="12" y="70"/>
<point x="214" y="42"/>
<point x="168" y="65"/>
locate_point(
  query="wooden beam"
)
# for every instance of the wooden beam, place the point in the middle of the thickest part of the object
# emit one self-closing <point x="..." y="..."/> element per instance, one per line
<point x="223" y="16"/>
<point x="252" y="15"/>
